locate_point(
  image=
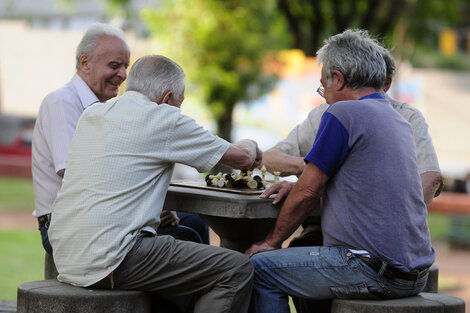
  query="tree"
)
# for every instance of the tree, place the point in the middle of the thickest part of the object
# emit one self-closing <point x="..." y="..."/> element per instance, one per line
<point x="396" y="21"/>
<point x="222" y="46"/>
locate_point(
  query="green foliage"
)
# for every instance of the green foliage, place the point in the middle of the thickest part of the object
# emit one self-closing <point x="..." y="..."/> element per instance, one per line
<point x="21" y="260"/>
<point x="16" y="194"/>
<point x="400" y="22"/>
<point x="221" y="45"/>
<point x="431" y="58"/>
<point x="438" y="225"/>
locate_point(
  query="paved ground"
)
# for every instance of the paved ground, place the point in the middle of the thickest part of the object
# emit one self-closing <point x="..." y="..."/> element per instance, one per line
<point x="454" y="264"/>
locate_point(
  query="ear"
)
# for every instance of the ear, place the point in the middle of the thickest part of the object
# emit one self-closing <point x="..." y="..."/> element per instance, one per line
<point x="84" y="62"/>
<point x="338" y="80"/>
<point x="166" y="97"/>
<point x="388" y="83"/>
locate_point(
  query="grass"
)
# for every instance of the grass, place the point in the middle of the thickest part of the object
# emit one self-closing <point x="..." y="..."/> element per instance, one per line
<point x="16" y="194"/>
<point x="21" y="260"/>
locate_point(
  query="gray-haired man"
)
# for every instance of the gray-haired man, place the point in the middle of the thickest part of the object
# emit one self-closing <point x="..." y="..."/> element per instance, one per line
<point x="118" y="172"/>
<point x="364" y="165"/>
<point x="101" y="60"/>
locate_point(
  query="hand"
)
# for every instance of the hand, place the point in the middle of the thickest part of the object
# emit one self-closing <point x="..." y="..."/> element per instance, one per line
<point x="258" y="247"/>
<point x="258" y="159"/>
<point x="169" y="218"/>
<point x="282" y="189"/>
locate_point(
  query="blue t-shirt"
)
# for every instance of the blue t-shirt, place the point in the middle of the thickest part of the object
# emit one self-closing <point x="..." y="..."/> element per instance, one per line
<point x="373" y="200"/>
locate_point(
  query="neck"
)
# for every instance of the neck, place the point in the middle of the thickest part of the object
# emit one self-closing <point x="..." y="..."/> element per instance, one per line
<point x="355" y="94"/>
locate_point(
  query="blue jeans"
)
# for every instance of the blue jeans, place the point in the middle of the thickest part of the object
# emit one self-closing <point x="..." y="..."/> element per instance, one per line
<point x="319" y="273"/>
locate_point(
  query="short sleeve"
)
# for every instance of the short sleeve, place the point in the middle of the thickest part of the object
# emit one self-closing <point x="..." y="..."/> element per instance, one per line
<point x="427" y="157"/>
<point x="300" y="140"/>
<point x="330" y="147"/>
<point x="192" y="145"/>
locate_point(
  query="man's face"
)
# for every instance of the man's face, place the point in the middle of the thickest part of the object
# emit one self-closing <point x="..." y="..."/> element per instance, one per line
<point x="106" y="69"/>
<point x="326" y="89"/>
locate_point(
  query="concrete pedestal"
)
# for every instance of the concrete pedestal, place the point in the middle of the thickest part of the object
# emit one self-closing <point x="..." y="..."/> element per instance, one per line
<point x="54" y="297"/>
<point x="422" y="303"/>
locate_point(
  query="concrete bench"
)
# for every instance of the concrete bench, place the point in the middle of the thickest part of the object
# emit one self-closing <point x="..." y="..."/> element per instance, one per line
<point x="55" y="297"/>
<point x="433" y="280"/>
<point x="423" y="303"/>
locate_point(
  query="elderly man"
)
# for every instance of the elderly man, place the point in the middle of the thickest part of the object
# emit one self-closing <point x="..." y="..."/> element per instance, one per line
<point x="101" y="61"/>
<point x="118" y="170"/>
<point x="364" y="165"/>
<point x="288" y="158"/>
<point x="102" y="58"/>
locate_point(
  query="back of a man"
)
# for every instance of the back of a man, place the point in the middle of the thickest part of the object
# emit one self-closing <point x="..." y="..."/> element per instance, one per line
<point x="118" y="171"/>
<point x="379" y="173"/>
<point x="363" y="166"/>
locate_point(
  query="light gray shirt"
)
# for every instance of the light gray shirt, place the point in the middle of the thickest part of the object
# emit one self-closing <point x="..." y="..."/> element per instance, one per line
<point x="118" y="171"/>
<point x="300" y="140"/>
<point x="55" y="125"/>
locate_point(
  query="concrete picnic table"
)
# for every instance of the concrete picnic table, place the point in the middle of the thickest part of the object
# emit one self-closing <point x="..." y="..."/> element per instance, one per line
<point x="239" y="219"/>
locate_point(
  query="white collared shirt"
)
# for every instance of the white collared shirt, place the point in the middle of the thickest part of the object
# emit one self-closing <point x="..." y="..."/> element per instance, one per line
<point x="118" y="171"/>
<point x="53" y="132"/>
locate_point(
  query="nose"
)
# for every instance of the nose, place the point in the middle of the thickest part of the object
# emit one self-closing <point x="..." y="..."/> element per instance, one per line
<point x="122" y="73"/>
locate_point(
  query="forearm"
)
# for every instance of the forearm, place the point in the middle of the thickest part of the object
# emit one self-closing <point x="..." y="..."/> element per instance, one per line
<point x="304" y="195"/>
<point x="432" y="185"/>
<point x="244" y="154"/>
<point x="276" y="160"/>
<point x="294" y="211"/>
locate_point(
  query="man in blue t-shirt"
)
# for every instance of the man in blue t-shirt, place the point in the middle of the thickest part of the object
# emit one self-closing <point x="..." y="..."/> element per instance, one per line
<point x="363" y="164"/>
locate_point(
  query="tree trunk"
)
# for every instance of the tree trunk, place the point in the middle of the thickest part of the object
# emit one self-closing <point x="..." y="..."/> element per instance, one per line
<point x="224" y="130"/>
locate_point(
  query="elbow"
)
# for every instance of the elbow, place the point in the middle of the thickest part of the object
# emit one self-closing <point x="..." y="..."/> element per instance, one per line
<point x="438" y="184"/>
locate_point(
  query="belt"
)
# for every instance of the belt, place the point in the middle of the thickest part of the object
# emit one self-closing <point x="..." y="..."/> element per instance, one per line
<point x="391" y="272"/>
<point x="44" y="220"/>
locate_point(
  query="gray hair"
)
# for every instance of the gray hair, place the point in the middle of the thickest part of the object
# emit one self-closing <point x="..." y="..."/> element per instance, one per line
<point x="357" y="56"/>
<point x="154" y="75"/>
<point x="389" y="63"/>
<point x="92" y="36"/>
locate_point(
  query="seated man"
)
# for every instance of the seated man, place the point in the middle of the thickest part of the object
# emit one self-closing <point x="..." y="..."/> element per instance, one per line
<point x="105" y="218"/>
<point x="364" y="166"/>
<point x="288" y="158"/>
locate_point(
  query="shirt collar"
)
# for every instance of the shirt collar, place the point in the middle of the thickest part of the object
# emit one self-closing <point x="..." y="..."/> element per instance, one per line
<point x="375" y="95"/>
<point x="86" y="95"/>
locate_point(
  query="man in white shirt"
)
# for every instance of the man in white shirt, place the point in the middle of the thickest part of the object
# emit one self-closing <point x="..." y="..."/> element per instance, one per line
<point x="101" y="60"/>
<point x="106" y="215"/>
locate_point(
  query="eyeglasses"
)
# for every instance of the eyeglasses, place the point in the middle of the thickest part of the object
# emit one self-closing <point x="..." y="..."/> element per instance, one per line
<point x="321" y="90"/>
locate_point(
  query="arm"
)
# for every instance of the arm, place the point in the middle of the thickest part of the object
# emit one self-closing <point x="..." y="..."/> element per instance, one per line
<point x="432" y="186"/>
<point x="287" y="156"/>
<point x="276" y="160"/>
<point x="304" y="195"/>
<point x="245" y="154"/>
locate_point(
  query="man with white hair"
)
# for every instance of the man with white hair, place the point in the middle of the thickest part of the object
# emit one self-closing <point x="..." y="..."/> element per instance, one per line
<point x="107" y="213"/>
<point x="102" y="58"/>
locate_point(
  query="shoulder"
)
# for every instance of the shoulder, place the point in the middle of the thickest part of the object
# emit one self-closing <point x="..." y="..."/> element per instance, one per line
<point x="66" y="93"/>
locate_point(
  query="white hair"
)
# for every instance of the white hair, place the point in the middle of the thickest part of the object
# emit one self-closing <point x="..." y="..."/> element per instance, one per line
<point x="155" y="75"/>
<point x="92" y="36"/>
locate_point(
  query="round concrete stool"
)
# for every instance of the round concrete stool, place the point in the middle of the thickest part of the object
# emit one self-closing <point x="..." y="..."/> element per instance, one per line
<point x="53" y="296"/>
<point x="422" y="303"/>
<point x="433" y="280"/>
